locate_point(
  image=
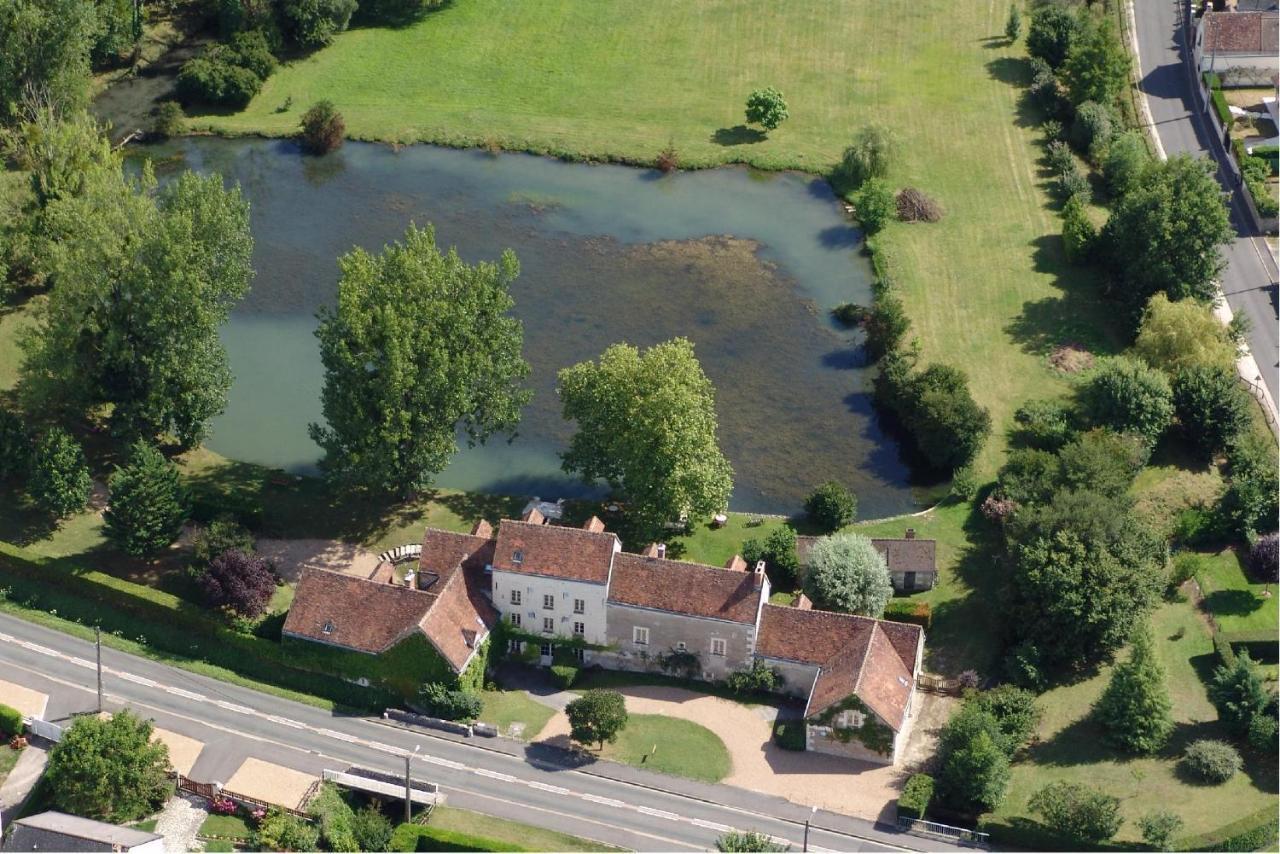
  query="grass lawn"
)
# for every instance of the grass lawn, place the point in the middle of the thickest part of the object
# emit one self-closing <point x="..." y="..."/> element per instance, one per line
<point x="8" y="758"/>
<point x="503" y="708"/>
<point x="1069" y="746"/>
<point x="232" y="826"/>
<point x="684" y="748"/>
<point x="149" y="825"/>
<point x="1235" y="601"/>
<point x="527" y="837"/>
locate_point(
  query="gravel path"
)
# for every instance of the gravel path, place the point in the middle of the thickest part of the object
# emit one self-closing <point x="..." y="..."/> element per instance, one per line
<point x="179" y="821"/>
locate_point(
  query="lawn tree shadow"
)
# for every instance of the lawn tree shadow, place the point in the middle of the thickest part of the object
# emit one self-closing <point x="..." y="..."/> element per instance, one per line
<point x="1233" y="603"/>
<point x="474" y="506"/>
<point x="1078" y="743"/>
<point x="738" y="135"/>
<point x="1014" y="70"/>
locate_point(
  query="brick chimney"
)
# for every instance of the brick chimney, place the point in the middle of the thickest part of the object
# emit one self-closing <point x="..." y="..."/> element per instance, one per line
<point x="759" y="574"/>
<point x="911" y="534"/>
<point x="534" y="517"/>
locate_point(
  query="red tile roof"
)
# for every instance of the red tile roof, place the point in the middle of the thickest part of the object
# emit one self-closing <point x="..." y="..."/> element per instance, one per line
<point x="443" y="552"/>
<point x="594" y="525"/>
<point x="573" y="554"/>
<point x="685" y="588"/>
<point x="1242" y="32"/>
<point x="460" y="617"/>
<point x="874" y="659"/>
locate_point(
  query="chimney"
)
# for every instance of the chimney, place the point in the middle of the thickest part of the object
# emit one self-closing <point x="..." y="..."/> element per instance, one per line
<point x="759" y="579"/>
<point x="410" y="579"/>
<point x="662" y="550"/>
<point x="534" y="517"/>
<point x="911" y="533"/>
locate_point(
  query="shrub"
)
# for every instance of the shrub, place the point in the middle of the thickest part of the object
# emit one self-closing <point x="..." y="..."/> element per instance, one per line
<point x="1014" y="710"/>
<point x="759" y="678"/>
<point x="1211" y="760"/>
<point x="322" y="128"/>
<point x="1262" y="733"/>
<point x="1159" y="828"/>
<point x="910" y="611"/>
<point x="1024" y="667"/>
<point x="668" y="159"/>
<point x="767" y="108"/>
<point x="1078" y="231"/>
<point x="874" y="204"/>
<point x="1046" y="93"/>
<point x="1052" y="30"/>
<point x="1052" y="129"/>
<point x="1045" y="424"/>
<point x="1072" y="181"/>
<point x="250" y="50"/>
<point x="312" y="24"/>
<point x="1248" y="507"/>
<point x="242" y="583"/>
<point x="1013" y="24"/>
<point x="935" y="406"/>
<point x="1059" y="156"/>
<point x="597" y="716"/>
<point x="973" y="762"/>
<point x="1236" y="690"/>
<point x="1126" y="160"/>
<point x="280" y="831"/>
<point x="372" y="829"/>
<point x="219" y="536"/>
<point x="108" y="769"/>
<point x="335" y="818"/>
<point x="1129" y="397"/>
<point x="964" y="483"/>
<point x="850" y="314"/>
<point x="915" y="797"/>
<point x="168" y="119"/>
<point x="1211" y="405"/>
<point x="1102" y="461"/>
<point x="452" y="704"/>
<point x="10" y="721"/>
<point x="1176" y="335"/>
<point x="59" y="482"/>
<point x="1221" y="107"/>
<point x="779" y="554"/>
<point x="148" y="503"/>
<point x="914" y="206"/>
<point x="1264" y="557"/>
<point x="887" y="325"/>
<point x="563" y="675"/>
<point x="831" y="506"/>
<point x="748" y="840"/>
<point x="873" y="150"/>
<point x="209" y="81"/>
<point x="1092" y="129"/>
<point x="791" y="735"/>
<point x="1080" y="813"/>
<point x="1030" y="476"/>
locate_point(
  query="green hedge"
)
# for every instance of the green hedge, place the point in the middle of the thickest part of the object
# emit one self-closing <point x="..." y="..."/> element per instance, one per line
<point x="910" y="611"/>
<point x="915" y="797"/>
<point x="1256" y="832"/>
<point x="10" y="721"/>
<point x="790" y="735"/>
<point x="1221" y="107"/>
<point x="424" y="837"/>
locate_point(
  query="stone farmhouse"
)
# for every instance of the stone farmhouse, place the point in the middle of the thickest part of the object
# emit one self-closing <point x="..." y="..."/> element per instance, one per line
<point x="563" y="592"/>
<point x="912" y="561"/>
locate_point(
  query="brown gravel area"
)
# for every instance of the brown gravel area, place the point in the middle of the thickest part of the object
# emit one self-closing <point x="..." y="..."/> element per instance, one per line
<point x="30" y="703"/>
<point x="293" y="556"/>
<point x="268" y="782"/>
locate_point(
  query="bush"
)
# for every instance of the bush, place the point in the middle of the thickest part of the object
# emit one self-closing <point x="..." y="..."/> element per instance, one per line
<point x="779" y="554"/>
<point x="1080" y="813"/>
<point x="1078" y="231"/>
<point x="1052" y="30"/>
<point x="250" y="50"/>
<point x="1248" y="507"/>
<point x="873" y="150"/>
<point x="242" y="583"/>
<point x="1046" y="93"/>
<point x="1211" y="760"/>
<point x="1237" y="691"/>
<point x="10" y="721"/>
<point x="1092" y="129"/>
<point x="915" y="797"/>
<point x="791" y="735"/>
<point x="1072" y="181"/>
<point x="964" y="483"/>
<point x="597" y="716"/>
<point x="312" y="24"/>
<point x="1211" y="405"/>
<point x="1024" y="666"/>
<point x="322" y="128"/>
<point x="831" y="506"/>
<point x="935" y="406"/>
<point x="850" y="314"/>
<point x="1059" y="156"/>
<point x="168" y="120"/>
<point x="1159" y="828"/>
<point x="336" y="819"/>
<point x="1127" y="396"/>
<point x="452" y="704"/>
<point x="1262" y="734"/>
<point x="874" y="204"/>
<point x="668" y="159"/>
<point x="1014" y="710"/>
<point x="1126" y="160"/>
<point x="1046" y="425"/>
<point x="1221" y="107"/>
<point x="108" y="769"/>
<point x="757" y="679"/>
<point x="59" y="482"/>
<point x="210" y="81"/>
<point x="1264" y="557"/>
<point x="887" y="325"/>
<point x="280" y="831"/>
<point x="218" y="537"/>
<point x="563" y="675"/>
<point x="767" y="108"/>
<point x="1102" y="461"/>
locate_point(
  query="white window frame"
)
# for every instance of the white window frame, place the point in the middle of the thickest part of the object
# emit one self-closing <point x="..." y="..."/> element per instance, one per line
<point x="579" y="606"/>
<point x="580" y="630"/>
<point x="517" y="558"/>
<point x="719" y="647"/>
<point x="640" y="635"/>
<point x="515" y="597"/>
<point x="850" y="719"/>
<point x="548" y="625"/>
<point x="681" y="646"/>
<point x="548" y="601"/>
<point x="514" y="645"/>
<point x="515" y="620"/>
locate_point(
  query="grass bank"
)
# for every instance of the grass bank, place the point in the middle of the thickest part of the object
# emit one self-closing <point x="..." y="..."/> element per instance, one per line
<point x="510" y="833"/>
<point x="671" y="746"/>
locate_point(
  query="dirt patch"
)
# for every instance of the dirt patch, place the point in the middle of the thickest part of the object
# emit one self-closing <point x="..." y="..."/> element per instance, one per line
<point x="293" y="556"/>
<point x="932" y="713"/>
<point x="813" y="779"/>
<point x="1071" y="358"/>
<point x="272" y="783"/>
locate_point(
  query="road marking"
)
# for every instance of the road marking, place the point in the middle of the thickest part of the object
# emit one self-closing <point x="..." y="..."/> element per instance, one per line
<point x="138" y="680"/>
<point x="80" y="662"/>
<point x="496" y="775"/>
<point x="230" y="707"/>
<point x="711" y="825"/>
<point x="603" y="801"/>
<point x="179" y="692"/>
<point x="669" y="816"/>
<point x="547" y="787"/>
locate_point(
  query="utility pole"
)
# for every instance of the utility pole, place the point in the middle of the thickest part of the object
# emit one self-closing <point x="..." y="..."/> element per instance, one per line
<point x="97" y="638"/>
<point x="408" y="793"/>
<point x="806" y="827"/>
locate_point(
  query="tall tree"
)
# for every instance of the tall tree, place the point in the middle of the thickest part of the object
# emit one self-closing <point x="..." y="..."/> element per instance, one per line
<point x="1238" y="693"/>
<point x="108" y="769"/>
<point x="1249" y="506"/>
<point x="1167" y="234"/>
<point x="767" y="108"/>
<point x="1127" y="396"/>
<point x="597" y="716"/>
<point x="420" y="344"/>
<point x="1212" y="406"/>
<point x="44" y="56"/>
<point x="1054" y="27"/>
<point x="1097" y="64"/>
<point x="845" y="572"/>
<point x="647" y="425"/>
<point x="60" y="483"/>
<point x="1135" y="709"/>
<point x="144" y="279"/>
<point x="148" y="503"/>
<point x="973" y="755"/>
<point x="1176" y="335"/>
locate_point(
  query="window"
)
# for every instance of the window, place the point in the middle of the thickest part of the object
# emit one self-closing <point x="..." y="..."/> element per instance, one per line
<point x="850" y="719"/>
<point x="515" y="620"/>
<point x="549" y="625"/>
<point x="579" y="606"/>
<point x="515" y="597"/>
<point x="579" y="654"/>
<point x="515" y="646"/>
<point x="640" y="636"/>
<point x="681" y="646"/>
<point x="328" y="627"/>
<point x="517" y="557"/>
<point x="579" y="629"/>
<point x="548" y="602"/>
<point x="717" y="646"/>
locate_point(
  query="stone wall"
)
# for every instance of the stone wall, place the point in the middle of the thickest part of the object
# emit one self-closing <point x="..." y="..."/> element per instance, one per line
<point x="666" y="631"/>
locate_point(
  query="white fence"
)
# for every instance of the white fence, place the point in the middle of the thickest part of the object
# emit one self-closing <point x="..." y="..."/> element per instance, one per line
<point x="44" y="729"/>
<point x="938" y="830"/>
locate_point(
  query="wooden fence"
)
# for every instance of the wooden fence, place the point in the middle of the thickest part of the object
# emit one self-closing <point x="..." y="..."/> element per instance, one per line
<point x="210" y="791"/>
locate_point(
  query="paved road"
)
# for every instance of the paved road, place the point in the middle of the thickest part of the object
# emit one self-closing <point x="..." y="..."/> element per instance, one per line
<point x="612" y="804"/>
<point x="1249" y="281"/>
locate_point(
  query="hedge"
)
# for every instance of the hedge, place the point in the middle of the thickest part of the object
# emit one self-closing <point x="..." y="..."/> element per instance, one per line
<point x="910" y="611"/>
<point x="1220" y="107"/>
<point x="915" y="796"/>
<point x="424" y="837"/>
<point x="791" y="735"/>
<point x="1256" y="832"/>
<point x="10" y="721"/>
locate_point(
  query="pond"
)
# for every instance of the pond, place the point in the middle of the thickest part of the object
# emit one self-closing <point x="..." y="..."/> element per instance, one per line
<point x="745" y="265"/>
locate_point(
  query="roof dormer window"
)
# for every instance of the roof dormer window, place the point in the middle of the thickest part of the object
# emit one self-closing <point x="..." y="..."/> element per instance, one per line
<point x="517" y="558"/>
<point x="328" y="627"/>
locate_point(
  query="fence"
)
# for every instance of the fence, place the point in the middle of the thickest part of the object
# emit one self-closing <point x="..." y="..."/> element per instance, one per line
<point x="949" y="832"/>
<point x="935" y="684"/>
<point x="1255" y="388"/>
<point x="44" y="729"/>
<point x="209" y="791"/>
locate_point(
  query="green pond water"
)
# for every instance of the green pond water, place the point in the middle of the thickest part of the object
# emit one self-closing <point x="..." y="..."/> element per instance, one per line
<point x="745" y="265"/>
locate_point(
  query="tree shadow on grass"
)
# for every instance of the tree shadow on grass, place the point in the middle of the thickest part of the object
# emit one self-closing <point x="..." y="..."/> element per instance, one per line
<point x="1233" y="603"/>
<point x="738" y="135"/>
<point x="1079" y="743"/>
<point x="474" y="506"/>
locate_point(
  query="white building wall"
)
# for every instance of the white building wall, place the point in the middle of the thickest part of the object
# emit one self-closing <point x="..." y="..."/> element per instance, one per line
<point x="533" y="588"/>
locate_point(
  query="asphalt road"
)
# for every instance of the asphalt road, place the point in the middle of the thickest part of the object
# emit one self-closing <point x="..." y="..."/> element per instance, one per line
<point x="1249" y="282"/>
<point x="647" y="812"/>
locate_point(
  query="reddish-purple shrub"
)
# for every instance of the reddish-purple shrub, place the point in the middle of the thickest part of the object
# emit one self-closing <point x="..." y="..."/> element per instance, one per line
<point x="998" y="509"/>
<point x="244" y="583"/>
<point x="223" y="806"/>
<point x="1265" y="557"/>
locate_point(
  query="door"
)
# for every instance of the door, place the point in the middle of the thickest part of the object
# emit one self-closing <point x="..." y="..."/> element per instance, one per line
<point x="545" y="651"/>
<point x="908" y="581"/>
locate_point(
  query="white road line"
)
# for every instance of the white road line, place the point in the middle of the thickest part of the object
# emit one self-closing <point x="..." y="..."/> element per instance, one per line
<point x="547" y="787"/>
<point x="178" y="692"/>
<point x="496" y="775"/>
<point x="603" y="801"/>
<point x="80" y="662"/>
<point x="669" y="816"/>
<point x="711" y="825"/>
<point x="230" y="707"/>
<point x="138" y="680"/>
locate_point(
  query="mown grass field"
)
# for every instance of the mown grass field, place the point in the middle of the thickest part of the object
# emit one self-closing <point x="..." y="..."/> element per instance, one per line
<point x="987" y="288"/>
<point x="528" y="837"/>
<point x="1236" y="601"/>
<point x="671" y="746"/>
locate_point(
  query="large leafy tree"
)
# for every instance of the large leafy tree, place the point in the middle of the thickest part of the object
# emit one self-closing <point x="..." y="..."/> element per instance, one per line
<point x="108" y="769"/>
<point x="598" y="716"/>
<point x="1249" y="506"/>
<point x="766" y="108"/>
<point x="1085" y="570"/>
<point x="1176" y="335"/>
<point x="973" y="754"/>
<point x="935" y="405"/>
<point x="845" y="572"/>
<point x="1127" y="396"/>
<point x="1167" y="234"/>
<point x="1054" y="28"/>
<point x="148" y="503"/>
<point x="420" y="344"/>
<point x="1102" y="461"/>
<point x="44" y="55"/>
<point x="1212" y="406"/>
<point x="647" y="425"/>
<point x="1135" y="709"/>
<point x="831" y="506"/>
<point x="312" y="24"/>
<point x="143" y="280"/>
<point x="60" y="483"/>
<point x="1097" y="64"/>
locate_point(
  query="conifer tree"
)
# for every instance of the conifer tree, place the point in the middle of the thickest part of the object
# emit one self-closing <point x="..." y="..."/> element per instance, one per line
<point x="148" y="503"/>
<point x="1135" y="710"/>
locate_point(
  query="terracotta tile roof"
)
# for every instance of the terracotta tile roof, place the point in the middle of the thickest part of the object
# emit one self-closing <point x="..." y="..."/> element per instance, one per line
<point x="460" y="616"/>
<point x="570" y="553"/>
<point x="444" y="551"/>
<point x="1242" y="32"/>
<point x="874" y="659"/>
<point x="533" y="516"/>
<point x="685" y="588"/>
<point x="900" y="553"/>
<point x="482" y="529"/>
<point x="384" y="573"/>
<point x="359" y="614"/>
